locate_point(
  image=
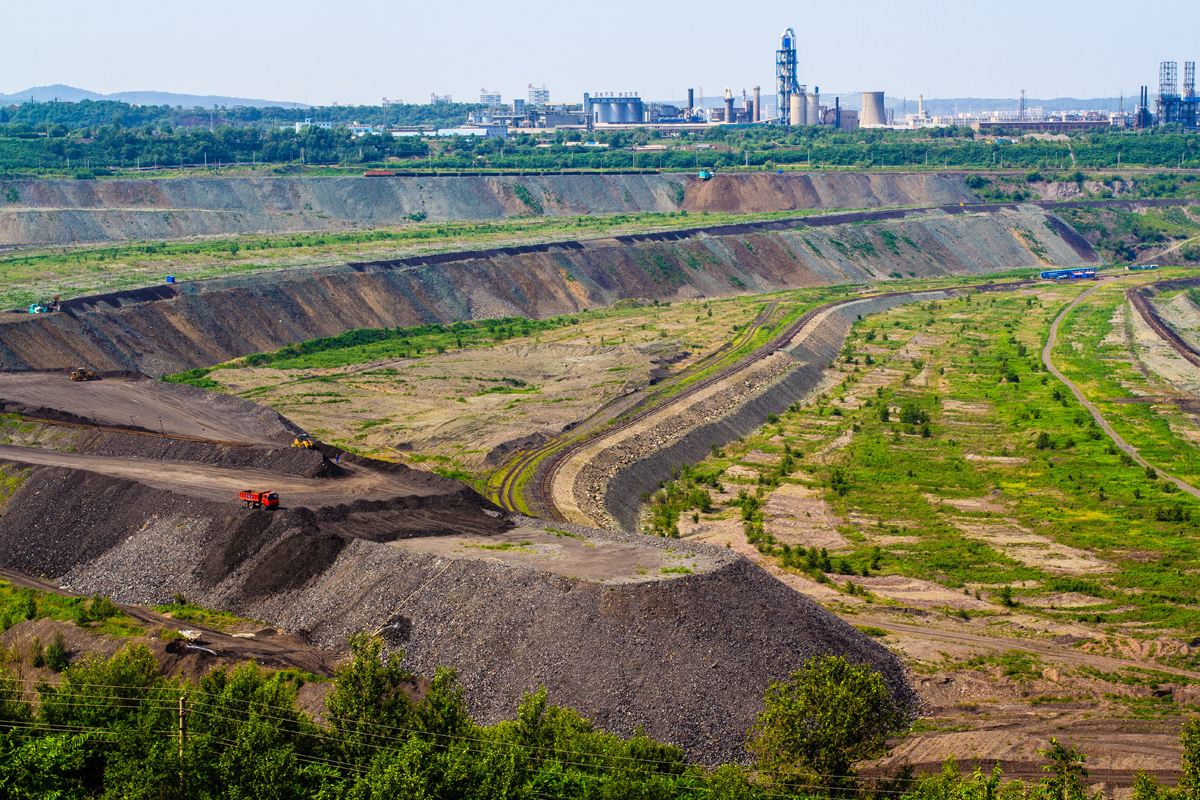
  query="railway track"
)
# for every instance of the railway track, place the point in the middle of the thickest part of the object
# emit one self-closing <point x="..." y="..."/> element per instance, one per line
<point x="1139" y="298"/>
<point x="508" y="493"/>
<point x="547" y="471"/>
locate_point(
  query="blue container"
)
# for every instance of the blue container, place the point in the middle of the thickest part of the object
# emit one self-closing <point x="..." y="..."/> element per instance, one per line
<point x="170" y="279"/>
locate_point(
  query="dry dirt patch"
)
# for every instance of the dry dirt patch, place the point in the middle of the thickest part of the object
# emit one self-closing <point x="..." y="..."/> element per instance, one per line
<point x="970" y="505"/>
<point x="1007" y="461"/>
<point x="1024" y="546"/>
<point x="966" y="408"/>
<point x="917" y="593"/>
<point x="566" y="553"/>
<point x="798" y="515"/>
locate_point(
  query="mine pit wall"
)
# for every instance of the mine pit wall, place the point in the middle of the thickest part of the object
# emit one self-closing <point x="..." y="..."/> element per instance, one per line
<point x="688" y="658"/>
<point x="165" y="329"/>
<point x="623" y="497"/>
<point x="57" y="212"/>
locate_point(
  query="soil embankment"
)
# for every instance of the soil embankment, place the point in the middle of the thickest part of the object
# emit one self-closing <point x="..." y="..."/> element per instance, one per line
<point x="687" y="657"/>
<point x="58" y="212"/>
<point x="164" y="329"/>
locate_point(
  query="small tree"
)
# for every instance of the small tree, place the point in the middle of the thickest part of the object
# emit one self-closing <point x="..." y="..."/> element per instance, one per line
<point x="1065" y="772"/>
<point x="826" y="716"/>
<point x="1189" y="738"/>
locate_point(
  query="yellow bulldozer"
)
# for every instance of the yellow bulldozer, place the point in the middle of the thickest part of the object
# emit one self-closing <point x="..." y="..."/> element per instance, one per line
<point x="303" y="440"/>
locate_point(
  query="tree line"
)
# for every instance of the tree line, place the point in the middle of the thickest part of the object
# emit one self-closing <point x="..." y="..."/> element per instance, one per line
<point x="115" y="727"/>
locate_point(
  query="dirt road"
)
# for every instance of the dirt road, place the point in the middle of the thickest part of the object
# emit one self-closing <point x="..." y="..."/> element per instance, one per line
<point x="223" y="483"/>
<point x="146" y="404"/>
<point x="1048" y="360"/>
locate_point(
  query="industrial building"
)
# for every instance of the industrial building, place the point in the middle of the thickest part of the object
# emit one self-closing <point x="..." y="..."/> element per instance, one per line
<point x="614" y="108"/>
<point x="539" y="96"/>
<point x="1175" y="107"/>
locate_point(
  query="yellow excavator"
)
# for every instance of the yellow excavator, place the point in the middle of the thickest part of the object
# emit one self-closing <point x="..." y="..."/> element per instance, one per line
<point x="82" y="374"/>
<point x="303" y="440"/>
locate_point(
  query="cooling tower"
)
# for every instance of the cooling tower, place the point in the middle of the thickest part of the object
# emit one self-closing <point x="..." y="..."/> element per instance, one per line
<point x="873" y="112"/>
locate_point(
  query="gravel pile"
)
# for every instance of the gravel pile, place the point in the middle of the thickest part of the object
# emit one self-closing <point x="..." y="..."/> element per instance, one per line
<point x="685" y="657"/>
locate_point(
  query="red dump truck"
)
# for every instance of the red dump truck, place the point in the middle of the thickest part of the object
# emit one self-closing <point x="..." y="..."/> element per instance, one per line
<point x="253" y="499"/>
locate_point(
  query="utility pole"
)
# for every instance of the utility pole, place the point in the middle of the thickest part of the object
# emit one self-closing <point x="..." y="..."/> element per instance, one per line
<point x="182" y="742"/>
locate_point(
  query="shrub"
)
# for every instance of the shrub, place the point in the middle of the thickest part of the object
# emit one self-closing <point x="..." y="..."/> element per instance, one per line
<point x="826" y="716"/>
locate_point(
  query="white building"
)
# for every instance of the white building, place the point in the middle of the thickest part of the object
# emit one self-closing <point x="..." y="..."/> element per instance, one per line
<point x="539" y="96"/>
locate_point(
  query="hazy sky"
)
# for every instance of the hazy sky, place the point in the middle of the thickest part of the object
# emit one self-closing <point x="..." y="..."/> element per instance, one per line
<point x="362" y="50"/>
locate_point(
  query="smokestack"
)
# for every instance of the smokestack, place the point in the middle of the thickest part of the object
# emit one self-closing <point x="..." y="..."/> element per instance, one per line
<point x="691" y="101"/>
<point x="757" y="104"/>
<point x="837" y="113"/>
<point x="728" y="104"/>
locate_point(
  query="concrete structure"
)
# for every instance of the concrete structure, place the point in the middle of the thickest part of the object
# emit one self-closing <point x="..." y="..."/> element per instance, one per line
<point x="614" y="109"/>
<point x="729" y="116"/>
<point x="539" y="96"/>
<point x="484" y="131"/>
<point x="798" y="111"/>
<point x="813" y="111"/>
<point x="757" y="104"/>
<point x="873" y="113"/>
<point x="1042" y="126"/>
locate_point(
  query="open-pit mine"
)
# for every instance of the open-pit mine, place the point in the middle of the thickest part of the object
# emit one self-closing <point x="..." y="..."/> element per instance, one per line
<point x="479" y="493"/>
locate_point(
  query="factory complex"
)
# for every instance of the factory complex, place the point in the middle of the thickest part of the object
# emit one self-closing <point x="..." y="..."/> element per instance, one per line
<point x="795" y="104"/>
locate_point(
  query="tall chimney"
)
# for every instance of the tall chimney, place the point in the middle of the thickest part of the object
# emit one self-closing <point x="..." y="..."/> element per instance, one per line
<point x="757" y="104"/>
<point x="691" y="101"/>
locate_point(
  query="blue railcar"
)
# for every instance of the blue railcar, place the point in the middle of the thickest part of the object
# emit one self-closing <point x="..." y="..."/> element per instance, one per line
<point x="1076" y="274"/>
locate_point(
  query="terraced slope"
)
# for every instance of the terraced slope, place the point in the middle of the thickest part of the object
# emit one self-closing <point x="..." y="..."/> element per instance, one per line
<point x="168" y="328"/>
<point x="56" y="212"/>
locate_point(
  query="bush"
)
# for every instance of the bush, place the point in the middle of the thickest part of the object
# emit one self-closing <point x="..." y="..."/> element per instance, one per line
<point x="826" y="716"/>
<point x="56" y="657"/>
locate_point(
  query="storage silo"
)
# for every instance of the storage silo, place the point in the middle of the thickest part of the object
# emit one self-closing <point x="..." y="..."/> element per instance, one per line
<point x="873" y="112"/>
<point x="796" y="113"/>
<point x="814" y="107"/>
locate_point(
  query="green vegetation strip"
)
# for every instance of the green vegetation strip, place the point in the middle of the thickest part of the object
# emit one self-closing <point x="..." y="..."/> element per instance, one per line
<point x="19" y="604"/>
<point x="116" y="727"/>
<point x="966" y="450"/>
<point x="1094" y="353"/>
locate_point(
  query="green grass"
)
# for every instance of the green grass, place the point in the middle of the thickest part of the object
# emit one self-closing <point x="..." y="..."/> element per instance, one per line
<point x="1107" y="375"/>
<point x="898" y="478"/>
<point x="198" y="615"/>
<point x="18" y="604"/>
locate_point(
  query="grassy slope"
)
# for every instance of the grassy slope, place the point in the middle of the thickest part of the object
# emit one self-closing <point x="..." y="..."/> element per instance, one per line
<point x="1081" y="493"/>
<point x="1097" y="359"/>
<point x="30" y="275"/>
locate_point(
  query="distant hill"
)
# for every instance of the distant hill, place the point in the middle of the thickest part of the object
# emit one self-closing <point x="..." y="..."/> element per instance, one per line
<point x="71" y="94"/>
